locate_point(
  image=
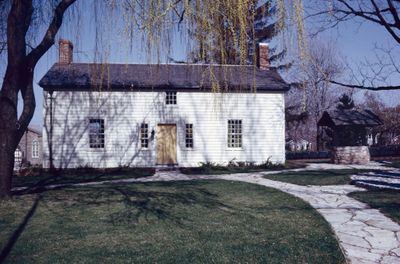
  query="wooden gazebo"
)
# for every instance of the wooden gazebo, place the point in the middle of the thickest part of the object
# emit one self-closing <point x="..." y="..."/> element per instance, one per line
<point x="348" y="134"/>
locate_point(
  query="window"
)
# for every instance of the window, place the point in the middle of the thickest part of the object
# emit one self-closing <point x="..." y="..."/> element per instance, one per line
<point x="96" y="133"/>
<point x="170" y="98"/>
<point x="144" y="135"/>
<point x="35" y="149"/>
<point x="189" y="136"/>
<point x="18" y="157"/>
<point x="234" y="133"/>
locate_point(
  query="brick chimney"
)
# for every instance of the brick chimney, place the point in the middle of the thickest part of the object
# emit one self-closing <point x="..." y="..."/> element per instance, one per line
<point x="263" y="56"/>
<point x="65" y="49"/>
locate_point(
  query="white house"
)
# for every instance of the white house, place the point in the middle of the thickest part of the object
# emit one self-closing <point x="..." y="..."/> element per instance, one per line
<point x="110" y="115"/>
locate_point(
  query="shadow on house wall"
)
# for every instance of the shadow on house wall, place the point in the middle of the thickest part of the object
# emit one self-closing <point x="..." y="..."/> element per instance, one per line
<point x="124" y="112"/>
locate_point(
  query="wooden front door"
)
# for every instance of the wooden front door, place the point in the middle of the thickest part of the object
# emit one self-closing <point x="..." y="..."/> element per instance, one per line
<point x="166" y="144"/>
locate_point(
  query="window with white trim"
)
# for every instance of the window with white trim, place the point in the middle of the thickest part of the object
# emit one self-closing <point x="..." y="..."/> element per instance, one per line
<point x="144" y="135"/>
<point x="18" y="157"/>
<point x="189" y="136"/>
<point x="96" y="133"/>
<point x="170" y="97"/>
<point x="35" y="149"/>
<point x="234" y="133"/>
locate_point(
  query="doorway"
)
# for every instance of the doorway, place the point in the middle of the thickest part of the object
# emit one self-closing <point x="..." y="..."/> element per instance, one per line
<point x="166" y="144"/>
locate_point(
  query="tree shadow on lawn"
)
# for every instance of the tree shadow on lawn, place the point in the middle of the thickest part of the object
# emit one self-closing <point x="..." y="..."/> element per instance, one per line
<point x="136" y="204"/>
<point x="17" y="232"/>
<point x="149" y="205"/>
<point x="42" y="178"/>
<point x="129" y="205"/>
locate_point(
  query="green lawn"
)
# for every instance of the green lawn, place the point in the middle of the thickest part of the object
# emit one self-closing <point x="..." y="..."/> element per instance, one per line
<point x="315" y="177"/>
<point x="395" y="163"/>
<point x="391" y="162"/>
<point x="387" y="201"/>
<point x="41" y="178"/>
<point x="175" y="222"/>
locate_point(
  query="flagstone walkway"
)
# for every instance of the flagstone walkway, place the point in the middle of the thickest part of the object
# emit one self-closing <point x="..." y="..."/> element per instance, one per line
<point x="381" y="179"/>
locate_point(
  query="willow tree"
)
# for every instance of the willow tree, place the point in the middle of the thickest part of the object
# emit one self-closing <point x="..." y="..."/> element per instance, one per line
<point x="22" y="21"/>
<point x="263" y="25"/>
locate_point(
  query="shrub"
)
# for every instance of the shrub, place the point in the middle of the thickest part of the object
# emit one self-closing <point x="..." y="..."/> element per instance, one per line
<point x="232" y="167"/>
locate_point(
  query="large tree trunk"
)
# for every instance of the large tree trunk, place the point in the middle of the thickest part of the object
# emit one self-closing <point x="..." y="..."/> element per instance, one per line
<point x="12" y="128"/>
<point x="6" y="161"/>
<point x="19" y="78"/>
<point x="8" y="138"/>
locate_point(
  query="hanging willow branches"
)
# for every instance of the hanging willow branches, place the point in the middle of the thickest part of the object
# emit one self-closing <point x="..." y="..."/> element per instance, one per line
<point x="221" y="29"/>
<point x="226" y="27"/>
<point x="29" y="28"/>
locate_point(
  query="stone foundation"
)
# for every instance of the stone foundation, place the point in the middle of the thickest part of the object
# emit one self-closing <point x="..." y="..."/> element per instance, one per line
<point x="351" y="155"/>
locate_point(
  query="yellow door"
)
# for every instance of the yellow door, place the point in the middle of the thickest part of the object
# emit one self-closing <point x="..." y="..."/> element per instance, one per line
<point x="166" y="144"/>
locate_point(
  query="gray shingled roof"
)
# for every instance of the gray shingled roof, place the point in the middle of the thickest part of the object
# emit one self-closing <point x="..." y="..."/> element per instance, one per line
<point x="34" y="130"/>
<point x="349" y="117"/>
<point x="161" y="76"/>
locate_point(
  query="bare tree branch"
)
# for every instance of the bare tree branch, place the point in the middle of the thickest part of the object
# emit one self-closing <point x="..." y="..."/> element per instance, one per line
<point x="386" y="16"/>
<point x="34" y="56"/>
<point x="385" y="23"/>
<point x="372" y="88"/>
<point x="384" y="13"/>
<point x="393" y="10"/>
<point x="49" y="37"/>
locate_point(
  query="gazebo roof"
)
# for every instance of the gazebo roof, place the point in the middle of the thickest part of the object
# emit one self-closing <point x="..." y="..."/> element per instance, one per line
<point x="349" y="118"/>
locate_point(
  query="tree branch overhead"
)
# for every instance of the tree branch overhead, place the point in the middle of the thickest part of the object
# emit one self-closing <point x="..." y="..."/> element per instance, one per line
<point x="49" y="37"/>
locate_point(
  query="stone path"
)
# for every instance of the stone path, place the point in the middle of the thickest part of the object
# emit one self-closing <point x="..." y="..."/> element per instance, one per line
<point x="381" y="179"/>
<point x="365" y="235"/>
<point x="330" y="166"/>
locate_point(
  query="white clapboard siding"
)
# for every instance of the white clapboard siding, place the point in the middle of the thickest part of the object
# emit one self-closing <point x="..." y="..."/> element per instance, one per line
<point x="262" y="115"/>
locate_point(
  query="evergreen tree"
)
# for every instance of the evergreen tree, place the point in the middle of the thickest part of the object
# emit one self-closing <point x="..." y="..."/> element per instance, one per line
<point x="224" y="47"/>
<point x="345" y="102"/>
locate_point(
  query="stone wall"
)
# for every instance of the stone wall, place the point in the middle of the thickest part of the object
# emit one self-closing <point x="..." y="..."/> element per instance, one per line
<point x="351" y="155"/>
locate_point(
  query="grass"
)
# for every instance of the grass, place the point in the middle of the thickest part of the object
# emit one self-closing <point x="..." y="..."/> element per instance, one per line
<point x="41" y="177"/>
<point x="216" y="169"/>
<point x="387" y="201"/>
<point x="174" y="222"/>
<point x="315" y="177"/>
<point x="395" y="164"/>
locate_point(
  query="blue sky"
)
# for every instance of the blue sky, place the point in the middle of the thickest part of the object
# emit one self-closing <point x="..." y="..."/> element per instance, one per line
<point x="354" y="42"/>
<point x="357" y="43"/>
